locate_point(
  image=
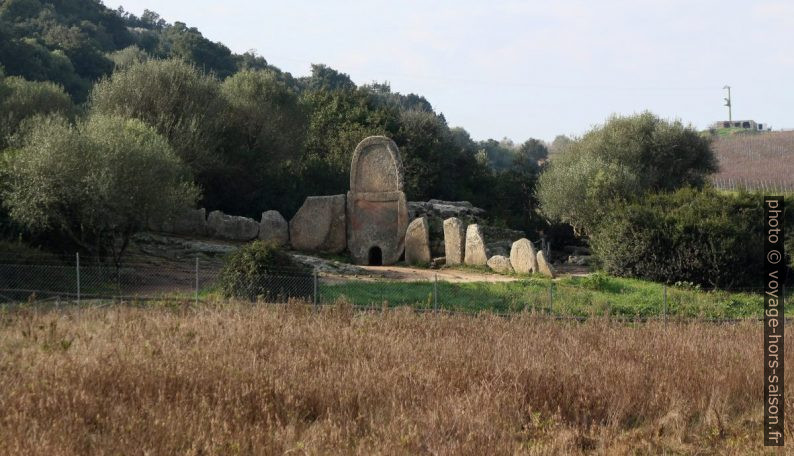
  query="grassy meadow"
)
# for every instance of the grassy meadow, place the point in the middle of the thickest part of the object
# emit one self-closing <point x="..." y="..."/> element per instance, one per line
<point x="594" y="295"/>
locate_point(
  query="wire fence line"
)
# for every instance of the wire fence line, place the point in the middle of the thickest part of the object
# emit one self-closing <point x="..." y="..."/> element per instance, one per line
<point x="195" y="281"/>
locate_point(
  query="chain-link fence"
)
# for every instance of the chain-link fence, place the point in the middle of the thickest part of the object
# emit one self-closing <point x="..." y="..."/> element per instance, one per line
<point x="85" y="281"/>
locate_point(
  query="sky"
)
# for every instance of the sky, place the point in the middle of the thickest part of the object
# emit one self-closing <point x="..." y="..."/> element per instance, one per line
<point x="522" y="69"/>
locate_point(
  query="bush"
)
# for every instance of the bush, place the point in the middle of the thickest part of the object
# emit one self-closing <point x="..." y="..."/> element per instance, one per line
<point x="263" y="270"/>
<point x="624" y="158"/>
<point x="97" y="182"/>
<point x="700" y="237"/>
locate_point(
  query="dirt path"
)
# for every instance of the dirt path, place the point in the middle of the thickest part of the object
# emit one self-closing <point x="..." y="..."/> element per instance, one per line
<point x="407" y="274"/>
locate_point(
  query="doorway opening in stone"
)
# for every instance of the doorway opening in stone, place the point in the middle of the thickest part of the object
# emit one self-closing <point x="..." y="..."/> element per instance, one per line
<point x="375" y="256"/>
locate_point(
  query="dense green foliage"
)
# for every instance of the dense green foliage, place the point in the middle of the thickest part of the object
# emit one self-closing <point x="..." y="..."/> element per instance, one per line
<point x="20" y="99"/>
<point x="625" y="158"/>
<point x="254" y="137"/>
<point x="703" y="237"/>
<point x="98" y="181"/>
<point x="262" y="270"/>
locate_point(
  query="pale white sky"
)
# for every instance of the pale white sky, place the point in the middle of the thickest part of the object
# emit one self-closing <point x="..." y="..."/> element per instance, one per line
<point x="527" y="68"/>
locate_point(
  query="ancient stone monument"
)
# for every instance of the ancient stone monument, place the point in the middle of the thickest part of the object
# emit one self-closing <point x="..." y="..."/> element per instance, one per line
<point x="500" y="264"/>
<point x="231" y="227"/>
<point x="523" y="256"/>
<point x="319" y="225"/>
<point x="377" y="211"/>
<point x="476" y="253"/>
<point x="544" y="267"/>
<point x="454" y="240"/>
<point x="417" y="242"/>
<point x="274" y="228"/>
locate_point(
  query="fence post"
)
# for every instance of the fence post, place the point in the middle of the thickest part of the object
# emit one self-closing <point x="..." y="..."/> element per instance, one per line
<point x="316" y="308"/>
<point x="664" y="290"/>
<point x="77" y="258"/>
<point x="435" y="294"/>
<point x="551" y="297"/>
<point x="197" y="282"/>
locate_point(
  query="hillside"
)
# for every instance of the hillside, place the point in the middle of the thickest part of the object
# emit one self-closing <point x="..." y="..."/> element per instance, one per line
<point x="76" y="42"/>
<point x="755" y="161"/>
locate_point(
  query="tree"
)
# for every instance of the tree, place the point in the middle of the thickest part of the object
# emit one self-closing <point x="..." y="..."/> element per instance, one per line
<point x="265" y="128"/>
<point x="326" y="78"/>
<point x="20" y="99"/>
<point x="127" y="57"/>
<point x="97" y="182"/>
<point x="175" y="98"/>
<point x="622" y="160"/>
<point x="531" y="153"/>
<point x="188" y="44"/>
<point x="560" y="143"/>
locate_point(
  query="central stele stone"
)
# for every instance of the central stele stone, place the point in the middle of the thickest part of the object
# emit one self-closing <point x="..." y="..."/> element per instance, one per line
<point x="377" y="211"/>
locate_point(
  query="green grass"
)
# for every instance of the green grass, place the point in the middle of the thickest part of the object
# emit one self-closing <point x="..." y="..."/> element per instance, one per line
<point x="578" y="296"/>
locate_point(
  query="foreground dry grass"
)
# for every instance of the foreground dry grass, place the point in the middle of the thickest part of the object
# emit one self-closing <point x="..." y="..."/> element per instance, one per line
<point x="254" y="380"/>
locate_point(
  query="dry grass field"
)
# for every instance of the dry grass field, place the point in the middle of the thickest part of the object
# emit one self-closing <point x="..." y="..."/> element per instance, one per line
<point x="243" y="379"/>
<point x="763" y="161"/>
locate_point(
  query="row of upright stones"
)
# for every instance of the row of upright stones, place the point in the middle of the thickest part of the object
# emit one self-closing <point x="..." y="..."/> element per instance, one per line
<point x="467" y="246"/>
<point x="371" y="222"/>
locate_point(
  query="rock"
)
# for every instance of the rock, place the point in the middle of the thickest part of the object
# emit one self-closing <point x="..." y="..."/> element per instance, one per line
<point x="437" y="211"/>
<point x="445" y="209"/>
<point x="500" y="264"/>
<point x="377" y="211"/>
<point x="438" y="262"/>
<point x="320" y="225"/>
<point x="417" y="242"/>
<point x="231" y="227"/>
<point x="274" y="228"/>
<point x="325" y="266"/>
<point x="454" y="240"/>
<point x="544" y="267"/>
<point x="523" y="256"/>
<point x="476" y="253"/>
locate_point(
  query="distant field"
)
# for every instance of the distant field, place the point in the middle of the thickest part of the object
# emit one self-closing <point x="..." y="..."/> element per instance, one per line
<point x="763" y="161"/>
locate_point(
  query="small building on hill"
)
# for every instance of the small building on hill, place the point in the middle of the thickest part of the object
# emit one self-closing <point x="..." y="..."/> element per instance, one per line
<point x="751" y="125"/>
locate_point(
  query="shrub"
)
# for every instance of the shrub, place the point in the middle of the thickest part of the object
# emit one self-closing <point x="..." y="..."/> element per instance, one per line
<point x="97" y="182"/>
<point x="701" y="237"/>
<point x="624" y="158"/>
<point x="263" y="270"/>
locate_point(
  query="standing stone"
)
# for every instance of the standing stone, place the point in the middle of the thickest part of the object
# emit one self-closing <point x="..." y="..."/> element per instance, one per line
<point x="319" y="225"/>
<point x="377" y="211"/>
<point x="523" y="256"/>
<point x="476" y="254"/>
<point x="417" y="242"/>
<point x="454" y="240"/>
<point x="544" y="267"/>
<point x="274" y="228"/>
<point x="231" y="227"/>
<point x="500" y="264"/>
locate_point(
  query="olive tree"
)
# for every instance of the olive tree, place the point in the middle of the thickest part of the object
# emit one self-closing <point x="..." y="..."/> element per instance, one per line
<point x="625" y="158"/>
<point x="20" y="99"/>
<point x="175" y="98"/>
<point x="97" y="182"/>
